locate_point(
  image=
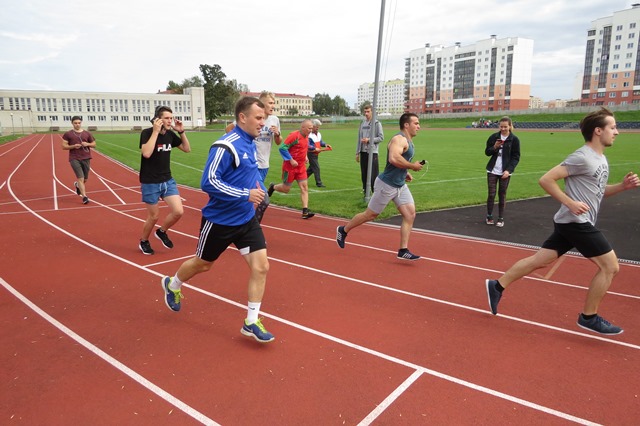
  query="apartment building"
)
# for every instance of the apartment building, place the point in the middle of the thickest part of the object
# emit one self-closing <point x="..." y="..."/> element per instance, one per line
<point x="489" y="75"/>
<point x="612" y="60"/>
<point x="390" y="96"/>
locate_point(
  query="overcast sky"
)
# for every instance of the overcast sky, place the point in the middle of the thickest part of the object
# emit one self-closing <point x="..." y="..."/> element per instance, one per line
<point x="328" y="46"/>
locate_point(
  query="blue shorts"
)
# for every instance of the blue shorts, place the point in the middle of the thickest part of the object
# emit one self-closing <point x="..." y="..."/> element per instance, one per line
<point x="152" y="192"/>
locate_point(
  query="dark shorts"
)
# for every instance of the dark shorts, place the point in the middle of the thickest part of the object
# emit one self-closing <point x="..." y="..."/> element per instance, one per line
<point x="152" y="192"/>
<point x="214" y="239"/>
<point x="81" y="168"/>
<point x="585" y="237"/>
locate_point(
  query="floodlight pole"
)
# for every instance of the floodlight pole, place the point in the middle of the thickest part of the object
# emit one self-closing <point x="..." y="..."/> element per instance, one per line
<point x="367" y="192"/>
<point x="13" y="129"/>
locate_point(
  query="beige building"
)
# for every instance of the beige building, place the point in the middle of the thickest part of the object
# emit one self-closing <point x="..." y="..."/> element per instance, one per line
<point x="289" y="104"/>
<point x="25" y="111"/>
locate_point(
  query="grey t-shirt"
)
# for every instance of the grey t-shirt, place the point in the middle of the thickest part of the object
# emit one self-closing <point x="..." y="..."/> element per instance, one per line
<point x="587" y="180"/>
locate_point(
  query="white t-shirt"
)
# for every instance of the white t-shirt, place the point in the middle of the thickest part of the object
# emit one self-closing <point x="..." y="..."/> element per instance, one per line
<point x="264" y="140"/>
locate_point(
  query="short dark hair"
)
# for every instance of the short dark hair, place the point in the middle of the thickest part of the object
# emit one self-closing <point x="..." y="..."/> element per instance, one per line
<point x="406" y="118"/>
<point x="245" y="104"/>
<point x="159" y="110"/>
<point x="76" y="117"/>
<point x="593" y="120"/>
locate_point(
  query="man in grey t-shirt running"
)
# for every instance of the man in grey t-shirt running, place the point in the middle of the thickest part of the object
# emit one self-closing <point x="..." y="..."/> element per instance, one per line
<point x="585" y="173"/>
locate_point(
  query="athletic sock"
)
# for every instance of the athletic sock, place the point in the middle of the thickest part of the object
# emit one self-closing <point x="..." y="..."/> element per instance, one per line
<point x="175" y="283"/>
<point x="499" y="287"/>
<point x="588" y="317"/>
<point x="253" y="309"/>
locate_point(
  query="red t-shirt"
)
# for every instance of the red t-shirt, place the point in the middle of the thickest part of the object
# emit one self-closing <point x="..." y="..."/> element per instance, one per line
<point x="297" y="146"/>
<point x="73" y="138"/>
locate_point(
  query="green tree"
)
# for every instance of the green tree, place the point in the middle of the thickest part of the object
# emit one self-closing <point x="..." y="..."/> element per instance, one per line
<point x="339" y="106"/>
<point x="194" y="81"/>
<point x="220" y="94"/>
<point x="322" y="104"/>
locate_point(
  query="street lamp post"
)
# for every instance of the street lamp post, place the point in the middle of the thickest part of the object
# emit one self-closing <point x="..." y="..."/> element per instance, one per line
<point x="22" y="124"/>
<point x="13" y="130"/>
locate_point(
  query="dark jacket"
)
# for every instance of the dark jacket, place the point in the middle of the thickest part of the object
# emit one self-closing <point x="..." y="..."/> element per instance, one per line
<point x="510" y="152"/>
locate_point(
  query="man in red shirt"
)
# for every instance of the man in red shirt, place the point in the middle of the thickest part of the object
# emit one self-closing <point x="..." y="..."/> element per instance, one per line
<point x="79" y="143"/>
<point x="294" y="155"/>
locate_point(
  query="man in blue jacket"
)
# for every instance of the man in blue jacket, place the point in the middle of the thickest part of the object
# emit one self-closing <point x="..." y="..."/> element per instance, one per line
<point x="232" y="181"/>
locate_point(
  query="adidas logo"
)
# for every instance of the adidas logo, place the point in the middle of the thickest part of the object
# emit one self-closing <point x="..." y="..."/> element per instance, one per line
<point x="245" y="156"/>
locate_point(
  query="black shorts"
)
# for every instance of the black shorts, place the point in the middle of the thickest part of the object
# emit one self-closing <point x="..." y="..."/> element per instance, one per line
<point x="214" y="239"/>
<point x="585" y="237"/>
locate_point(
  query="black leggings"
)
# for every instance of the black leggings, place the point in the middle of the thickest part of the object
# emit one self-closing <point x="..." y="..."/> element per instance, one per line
<point x="492" y="183"/>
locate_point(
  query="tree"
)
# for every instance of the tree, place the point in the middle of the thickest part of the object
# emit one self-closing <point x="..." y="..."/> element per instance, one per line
<point x="322" y="104"/>
<point x="340" y="106"/>
<point x="293" y="111"/>
<point x="220" y="94"/>
<point x="194" y="81"/>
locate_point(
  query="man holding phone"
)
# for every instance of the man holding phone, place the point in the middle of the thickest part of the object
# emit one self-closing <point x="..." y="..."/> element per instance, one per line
<point x="156" y="181"/>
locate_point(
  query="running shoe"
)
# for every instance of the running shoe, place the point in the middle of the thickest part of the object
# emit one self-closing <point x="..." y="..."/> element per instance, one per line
<point x="272" y="188"/>
<point x="500" y="222"/>
<point x="493" y="295"/>
<point x="405" y="254"/>
<point x="145" y="247"/>
<point x="85" y="200"/>
<point x="341" y="236"/>
<point x="77" y="187"/>
<point x="162" y="236"/>
<point x="599" y="325"/>
<point x="171" y="297"/>
<point x="307" y="215"/>
<point x="489" y="220"/>
<point x="257" y="331"/>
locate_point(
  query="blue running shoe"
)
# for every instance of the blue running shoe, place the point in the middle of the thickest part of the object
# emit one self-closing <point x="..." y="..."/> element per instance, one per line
<point x="405" y="254"/>
<point x="341" y="236"/>
<point x="257" y="331"/>
<point x="599" y="325"/>
<point x="171" y="297"/>
<point x="493" y="295"/>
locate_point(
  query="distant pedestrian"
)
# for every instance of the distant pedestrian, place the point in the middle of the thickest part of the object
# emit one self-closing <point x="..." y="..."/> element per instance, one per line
<point x="79" y="143"/>
<point x="504" y="149"/>
<point x="363" y="146"/>
<point x="294" y="156"/>
<point x="391" y="185"/>
<point x="585" y="173"/>
<point x="156" y="181"/>
<point x="316" y="146"/>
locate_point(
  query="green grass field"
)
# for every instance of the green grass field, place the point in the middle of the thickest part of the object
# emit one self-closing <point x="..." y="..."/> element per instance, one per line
<point x="456" y="175"/>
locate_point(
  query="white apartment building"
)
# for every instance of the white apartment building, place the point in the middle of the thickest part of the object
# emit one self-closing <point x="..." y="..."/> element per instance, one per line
<point x="611" y="73"/>
<point x="489" y="75"/>
<point x="25" y="111"/>
<point x="390" y="96"/>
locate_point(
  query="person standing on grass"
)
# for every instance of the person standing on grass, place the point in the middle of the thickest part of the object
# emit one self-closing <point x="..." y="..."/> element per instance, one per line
<point x="79" y="143"/>
<point x="391" y="186"/>
<point x="504" y="149"/>
<point x="156" y="181"/>
<point x="294" y="156"/>
<point x="585" y="173"/>
<point x="232" y="181"/>
<point x="362" y="148"/>
<point x="316" y="146"/>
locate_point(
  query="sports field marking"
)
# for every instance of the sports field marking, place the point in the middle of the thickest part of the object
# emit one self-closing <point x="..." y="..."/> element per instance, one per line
<point x="187" y="409"/>
<point x="341" y="341"/>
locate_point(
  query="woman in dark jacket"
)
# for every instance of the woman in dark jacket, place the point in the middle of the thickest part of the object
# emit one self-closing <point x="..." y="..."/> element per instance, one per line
<point x="504" y="149"/>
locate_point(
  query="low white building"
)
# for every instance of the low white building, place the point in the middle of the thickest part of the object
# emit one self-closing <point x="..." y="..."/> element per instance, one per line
<point x="26" y="111"/>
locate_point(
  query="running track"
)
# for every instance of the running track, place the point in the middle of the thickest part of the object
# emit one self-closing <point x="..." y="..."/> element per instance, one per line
<point x="361" y="338"/>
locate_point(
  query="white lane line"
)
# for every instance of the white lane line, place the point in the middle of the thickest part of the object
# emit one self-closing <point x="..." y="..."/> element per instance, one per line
<point x="187" y="409"/>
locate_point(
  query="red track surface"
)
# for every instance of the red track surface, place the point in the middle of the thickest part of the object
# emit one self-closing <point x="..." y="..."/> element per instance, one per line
<point x="360" y="336"/>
